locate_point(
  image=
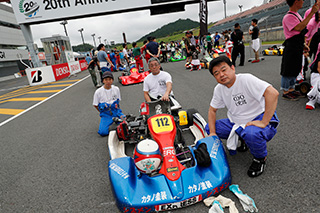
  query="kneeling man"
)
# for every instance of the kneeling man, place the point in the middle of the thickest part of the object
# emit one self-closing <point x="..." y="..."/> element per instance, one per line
<point x="251" y="105"/>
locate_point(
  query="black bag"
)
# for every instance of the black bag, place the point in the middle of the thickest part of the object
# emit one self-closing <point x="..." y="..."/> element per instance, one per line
<point x="202" y="155"/>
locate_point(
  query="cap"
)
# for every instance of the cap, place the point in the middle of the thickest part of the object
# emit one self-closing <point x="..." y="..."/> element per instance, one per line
<point x="107" y="75"/>
<point x="187" y="32"/>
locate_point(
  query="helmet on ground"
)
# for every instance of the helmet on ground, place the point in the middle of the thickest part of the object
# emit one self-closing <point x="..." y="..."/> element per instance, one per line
<point x="147" y="156"/>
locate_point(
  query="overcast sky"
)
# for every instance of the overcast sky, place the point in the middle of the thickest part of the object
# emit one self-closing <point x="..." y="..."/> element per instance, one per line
<point x="133" y="24"/>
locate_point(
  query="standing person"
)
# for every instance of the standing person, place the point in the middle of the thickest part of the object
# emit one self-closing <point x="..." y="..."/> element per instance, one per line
<point x="153" y="48"/>
<point x="255" y="32"/>
<point x="88" y="58"/>
<point x="251" y="105"/>
<point x="216" y="40"/>
<point x="137" y="56"/>
<point x="105" y="62"/>
<point x="113" y="60"/>
<point x="209" y="43"/>
<point x="144" y="51"/>
<point x="93" y="66"/>
<point x="294" y="28"/>
<point x="193" y="39"/>
<point x="163" y="49"/>
<point x="228" y="46"/>
<point x="106" y="100"/>
<point x="314" y="93"/>
<point x="188" y="47"/>
<point x="125" y="55"/>
<point x="157" y="83"/>
<point x="183" y="47"/>
<point x="238" y="46"/>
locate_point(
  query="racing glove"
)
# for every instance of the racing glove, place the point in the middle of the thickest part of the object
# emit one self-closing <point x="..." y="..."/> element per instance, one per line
<point x="216" y="207"/>
<point x="225" y="202"/>
<point x="246" y="201"/>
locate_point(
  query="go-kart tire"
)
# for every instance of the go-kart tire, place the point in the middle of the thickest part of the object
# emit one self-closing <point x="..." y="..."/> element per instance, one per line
<point x="304" y="88"/>
<point x="119" y="79"/>
<point x="279" y="53"/>
<point x="202" y="155"/>
<point x="264" y="52"/>
<point x="190" y="113"/>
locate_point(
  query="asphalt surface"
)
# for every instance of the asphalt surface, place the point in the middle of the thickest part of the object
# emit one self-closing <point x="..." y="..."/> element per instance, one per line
<point x="53" y="160"/>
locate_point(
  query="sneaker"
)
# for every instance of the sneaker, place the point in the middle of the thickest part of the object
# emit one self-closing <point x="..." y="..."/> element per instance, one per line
<point x="309" y="107"/>
<point x="289" y="96"/>
<point x="243" y="146"/>
<point x="255" y="61"/>
<point x="191" y="69"/>
<point x="240" y="65"/>
<point x="257" y="167"/>
<point x="296" y="93"/>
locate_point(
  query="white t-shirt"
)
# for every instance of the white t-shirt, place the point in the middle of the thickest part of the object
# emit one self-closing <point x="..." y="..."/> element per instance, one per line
<point x="125" y="53"/>
<point x="244" y="100"/>
<point x="103" y="95"/>
<point x="157" y="84"/>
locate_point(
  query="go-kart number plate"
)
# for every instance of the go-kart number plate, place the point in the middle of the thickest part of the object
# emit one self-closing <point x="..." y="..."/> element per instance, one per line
<point x="171" y="206"/>
<point x="161" y="124"/>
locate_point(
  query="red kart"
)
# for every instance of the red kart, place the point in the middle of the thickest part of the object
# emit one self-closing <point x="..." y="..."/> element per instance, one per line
<point x="134" y="76"/>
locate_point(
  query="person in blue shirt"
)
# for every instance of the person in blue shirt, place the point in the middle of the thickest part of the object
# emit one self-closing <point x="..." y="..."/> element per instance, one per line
<point x="216" y="40"/>
<point x="88" y="58"/>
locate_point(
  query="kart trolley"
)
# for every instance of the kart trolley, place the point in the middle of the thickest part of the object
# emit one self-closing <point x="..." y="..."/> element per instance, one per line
<point x="57" y="49"/>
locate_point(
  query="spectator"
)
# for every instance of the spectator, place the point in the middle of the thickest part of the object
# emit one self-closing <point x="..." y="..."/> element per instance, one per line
<point x="209" y="43"/>
<point x="104" y="61"/>
<point x="228" y="46"/>
<point x="238" y="46"/>
<point x="195" y="63"/>
<point x="294" y="29"/>
<point x="314" y="93"/>
<point x="255" y="32"/>
<point x="216" y="38"/>
<point x="163" y="48"/>
<point x="251" y="105"/>
<point x="144" y="50"/>
<point x="137" y="56"/>
<point x="125" y="55"/>
<point x="188" y="47"/>
<point x="93" y="66"/>
<point x="183" y="47"/>
<point x="88" y="58"/>
<point x="113" y="60"/>
<point x="153" y="48"/>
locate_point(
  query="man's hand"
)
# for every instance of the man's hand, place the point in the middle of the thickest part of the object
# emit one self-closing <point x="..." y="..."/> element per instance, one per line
<point x="165" y="97"/>
<point x="256" y="123"/>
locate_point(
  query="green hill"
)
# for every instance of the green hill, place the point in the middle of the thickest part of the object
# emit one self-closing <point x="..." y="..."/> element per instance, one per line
<point x="173" y="28"/>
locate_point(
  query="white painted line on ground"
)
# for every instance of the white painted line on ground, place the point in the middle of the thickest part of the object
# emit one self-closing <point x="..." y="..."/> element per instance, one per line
<point x="30" y="108"/>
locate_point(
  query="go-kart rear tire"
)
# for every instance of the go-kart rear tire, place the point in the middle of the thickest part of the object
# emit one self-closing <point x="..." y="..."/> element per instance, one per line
<point x="264" y="52"/>
<point x="119" y="79"/>
<point x="304" y="88"/>
<point x="190" y="113"/>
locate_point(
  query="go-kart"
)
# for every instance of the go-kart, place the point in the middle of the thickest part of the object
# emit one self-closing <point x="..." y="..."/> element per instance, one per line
<point x="177" y="57"/>
<point x="273" y="50"/>
<point x="174" y="164"/>
<point x="134" y="76"/>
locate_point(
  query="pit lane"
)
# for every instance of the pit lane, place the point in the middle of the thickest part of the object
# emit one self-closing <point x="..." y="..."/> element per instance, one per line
<point x="53" y="160"/>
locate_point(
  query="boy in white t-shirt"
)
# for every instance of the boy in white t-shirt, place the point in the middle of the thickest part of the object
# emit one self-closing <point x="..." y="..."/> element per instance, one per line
<point x="106" y="100"/>
<point x="251" y="105"/>
<point x="157" y="83"/>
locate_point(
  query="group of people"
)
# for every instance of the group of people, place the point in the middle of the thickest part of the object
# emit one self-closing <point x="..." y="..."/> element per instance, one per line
<point x="302" y="41"/>
<point x="251" y="103"/>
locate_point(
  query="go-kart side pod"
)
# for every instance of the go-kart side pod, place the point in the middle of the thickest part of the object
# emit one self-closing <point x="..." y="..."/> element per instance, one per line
<point x="136" y="192"/>
<point x="133" y="78"/>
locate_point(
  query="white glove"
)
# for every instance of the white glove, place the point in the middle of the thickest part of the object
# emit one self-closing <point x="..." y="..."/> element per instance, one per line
<point x="225" y="202"/>
<point x="246" y="201"/>
<point x="216" y="208"/>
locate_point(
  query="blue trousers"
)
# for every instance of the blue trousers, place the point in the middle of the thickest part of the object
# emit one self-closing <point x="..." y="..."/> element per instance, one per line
<point x="256" y="138"/>
<point x="107" y="112"/>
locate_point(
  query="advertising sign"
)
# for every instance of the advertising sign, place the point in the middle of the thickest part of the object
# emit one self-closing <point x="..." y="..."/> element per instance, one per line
<point x="83" y="64"/>
<point x="33" y="11"/>
<point x="69" y="56"/>
<point x="60" y="71"/>
<point x="39" y="75"/>
<point x="74" y="67"/>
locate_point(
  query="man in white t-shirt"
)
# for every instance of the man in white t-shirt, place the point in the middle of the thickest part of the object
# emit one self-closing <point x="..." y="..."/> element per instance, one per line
<point x="251" y="105"/>
<point x="106" y="100"/>
<point x="157" y="83"/>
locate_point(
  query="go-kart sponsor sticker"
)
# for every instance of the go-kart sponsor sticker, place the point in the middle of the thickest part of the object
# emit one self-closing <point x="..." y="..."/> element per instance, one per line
<point x="171" y="206"/>
<point x="214" y="149"/>
<point x="161" y="124"/>
<point x="172" y="169"/>
<point x="154" y="197"/>
<point x="204" y="185"/>
<point x="119" y="170"/>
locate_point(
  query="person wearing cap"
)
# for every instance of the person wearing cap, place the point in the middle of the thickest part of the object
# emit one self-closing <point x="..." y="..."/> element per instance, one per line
<point x="106" y="100"/>
<point x="188" y="45"/>
<point x="157" y="83"/>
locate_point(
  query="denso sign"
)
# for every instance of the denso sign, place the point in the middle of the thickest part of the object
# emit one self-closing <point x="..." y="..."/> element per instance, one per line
<point x="61" y="71"/>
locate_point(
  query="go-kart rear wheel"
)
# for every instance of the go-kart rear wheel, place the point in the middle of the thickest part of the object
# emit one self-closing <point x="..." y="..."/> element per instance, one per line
<point x="304" y="88"/>
<point x="120" y="80"/>
<point x="190" y="113"/>
<point x="264" y="52"/>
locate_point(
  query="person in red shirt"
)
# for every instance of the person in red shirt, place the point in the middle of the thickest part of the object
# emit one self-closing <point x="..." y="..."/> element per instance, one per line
<point x="144" y="51"/>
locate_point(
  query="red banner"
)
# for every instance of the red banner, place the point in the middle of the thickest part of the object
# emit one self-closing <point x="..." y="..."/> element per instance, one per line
<point x="60" y="71"/>
<point x="83" y="64"/>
